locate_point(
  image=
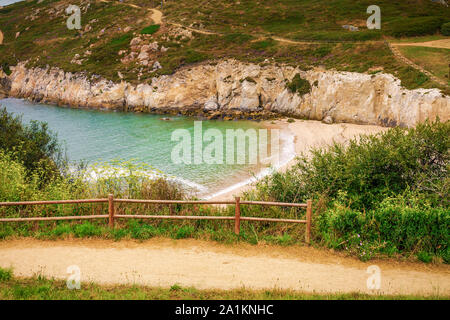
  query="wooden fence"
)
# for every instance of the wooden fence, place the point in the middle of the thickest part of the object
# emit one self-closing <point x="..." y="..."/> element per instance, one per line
<point x="111" y="216"/>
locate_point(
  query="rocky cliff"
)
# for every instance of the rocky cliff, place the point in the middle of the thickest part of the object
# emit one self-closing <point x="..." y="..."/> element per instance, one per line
<point x="232" y="86"/>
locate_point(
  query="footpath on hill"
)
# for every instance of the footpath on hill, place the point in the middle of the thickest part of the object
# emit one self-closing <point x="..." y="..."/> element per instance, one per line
<point x="209" y="265"/>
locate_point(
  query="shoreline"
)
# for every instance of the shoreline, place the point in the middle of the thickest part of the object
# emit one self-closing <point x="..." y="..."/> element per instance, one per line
<point x="297" y="137"/>
<point x="307" y="135"/>
<point x="287" y="149"/>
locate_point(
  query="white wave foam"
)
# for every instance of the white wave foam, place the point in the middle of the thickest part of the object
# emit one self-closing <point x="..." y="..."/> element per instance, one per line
<point x="94" y="173"/>
<point x="287" y="154"/>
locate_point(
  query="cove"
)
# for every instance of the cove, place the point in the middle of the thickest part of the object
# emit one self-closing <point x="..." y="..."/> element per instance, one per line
<point x="93" y="135"/>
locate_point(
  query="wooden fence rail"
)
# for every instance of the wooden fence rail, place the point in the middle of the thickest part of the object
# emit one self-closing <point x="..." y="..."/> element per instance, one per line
<point x="112" y="216"/>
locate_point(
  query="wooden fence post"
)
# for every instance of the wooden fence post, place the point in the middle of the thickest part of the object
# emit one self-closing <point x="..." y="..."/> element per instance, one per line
<point x="308" y="221"/>
<point x="111" y="210"/>
<point x="237" y="219"/>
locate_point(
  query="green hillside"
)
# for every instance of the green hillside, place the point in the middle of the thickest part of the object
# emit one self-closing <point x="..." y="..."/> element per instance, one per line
<point x="247" y="30"/>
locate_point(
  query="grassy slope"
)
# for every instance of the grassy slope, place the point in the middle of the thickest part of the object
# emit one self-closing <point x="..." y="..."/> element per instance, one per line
<point x="38" y="288"/>
<point x="300" y="19"/>
<point x="246" y="26"/>
<point x="435" y="60"/>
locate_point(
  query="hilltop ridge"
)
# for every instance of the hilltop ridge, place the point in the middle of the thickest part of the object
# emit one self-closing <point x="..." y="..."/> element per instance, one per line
<point x="137" y="43"/>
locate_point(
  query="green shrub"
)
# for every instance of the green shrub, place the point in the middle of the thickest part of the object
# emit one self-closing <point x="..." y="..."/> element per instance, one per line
<point x="370" y="169"/>
<point x="299" y="85"/>
<point x="184" y="232"/>
<point x="5" y="274"/>
<point x="5" y="67"/>
<point x="17" y="185"/>
<point x="120" y="41"/>
<point x="62" y="229"/>
<point x="421" y="78"/>
<point x="263" y="44"/>
<point x="142" y="231"/>
<point x="237" y="38"/>
<point x="445" y="29"/>
<point x="107" y="54"/>
<point x="424" y="257"/>
<point x="322" y="51"/>
<point x="34" y="145"/>
<point x="417" y="26"/>
<point x="193" y="56"/>
<point x="396" y="225"/>
<point x="86" y="229"/>
<point x="150" y="29"/>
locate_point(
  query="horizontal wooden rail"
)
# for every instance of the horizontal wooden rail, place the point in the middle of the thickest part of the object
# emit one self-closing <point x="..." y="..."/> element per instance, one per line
<point x="54" y="218"/>
<point x="172" y="201"/>
<point x="276" y="204"/>
<point x="272" y="220"/>
<point x="112" y="216"/>
<point x="34" y="203"/>
<point x="145" y="216"/>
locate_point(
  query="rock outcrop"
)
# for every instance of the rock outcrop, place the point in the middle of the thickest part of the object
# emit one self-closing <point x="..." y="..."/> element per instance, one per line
<point x="235" y="86"/>
<point x="5" y="84"/>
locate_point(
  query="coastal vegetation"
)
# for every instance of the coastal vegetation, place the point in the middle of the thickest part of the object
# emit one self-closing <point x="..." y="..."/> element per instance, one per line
<point x="32" y="145"/>
<point x="382" y="196"/>
<point x="386" y="193"/>
<point x="299" y="85"/>
<point x="379" y="195"/>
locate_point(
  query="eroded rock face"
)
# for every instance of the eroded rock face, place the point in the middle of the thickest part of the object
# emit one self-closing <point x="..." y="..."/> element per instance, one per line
<point x="232" y="85"/>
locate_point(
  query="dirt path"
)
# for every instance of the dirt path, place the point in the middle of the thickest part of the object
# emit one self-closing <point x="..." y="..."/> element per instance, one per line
<point x="201" y="31"/>
<point x="207" y="265"/>
<point x="156" y="16"/>
<point x="442" y="43"/>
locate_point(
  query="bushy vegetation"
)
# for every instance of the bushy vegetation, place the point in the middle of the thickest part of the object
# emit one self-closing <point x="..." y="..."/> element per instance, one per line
<point x="150" y="29"/>
<point x="371" y="168"/>
<point x="5" y="67"/>
<point x="386" y="193"/>
<point x="445" y="29"/>
<point x="263" y="44"/>
<point x="5" y="275"/>
<point x="397" y="225"/>
<point x="127" y="180"/>
<point x="299" y="85"/>
<point x="417" y="26"/>
<point x="33" y="145"/>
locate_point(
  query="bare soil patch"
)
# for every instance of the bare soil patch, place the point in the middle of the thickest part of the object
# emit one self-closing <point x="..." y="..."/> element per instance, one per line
<point x="207" y="265"/>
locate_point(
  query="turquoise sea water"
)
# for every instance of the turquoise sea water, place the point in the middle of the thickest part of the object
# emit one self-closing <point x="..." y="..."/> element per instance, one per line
<point x="94" y="135"/>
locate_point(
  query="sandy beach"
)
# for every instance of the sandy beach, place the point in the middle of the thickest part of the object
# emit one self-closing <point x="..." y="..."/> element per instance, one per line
<point x="308" y="134"/>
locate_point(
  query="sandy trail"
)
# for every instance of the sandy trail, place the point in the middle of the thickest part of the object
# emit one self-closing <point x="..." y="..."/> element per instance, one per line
<point x="442" y="43"/>
<point x="156" y="16"/>
<point x="309" y="134"/>
<point x="206" y="265"/>
<point x="194" y="29"/>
